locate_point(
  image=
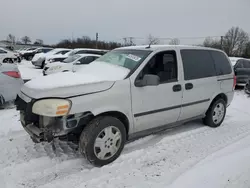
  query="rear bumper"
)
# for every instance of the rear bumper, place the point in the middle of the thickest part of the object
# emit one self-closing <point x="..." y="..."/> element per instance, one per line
<point x="241" y="80"/>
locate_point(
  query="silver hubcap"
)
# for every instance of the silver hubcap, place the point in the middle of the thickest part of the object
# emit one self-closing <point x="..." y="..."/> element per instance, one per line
<point x="107" y="143"/>
<point x="218" y="113"/>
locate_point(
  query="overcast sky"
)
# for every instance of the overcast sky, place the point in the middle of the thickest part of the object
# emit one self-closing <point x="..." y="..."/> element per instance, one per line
<point x="52" y="20"/>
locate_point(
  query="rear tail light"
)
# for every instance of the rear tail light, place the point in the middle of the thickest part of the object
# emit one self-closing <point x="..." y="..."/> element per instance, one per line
<point x="12" y="74"/>
<point x="234" y="82"/>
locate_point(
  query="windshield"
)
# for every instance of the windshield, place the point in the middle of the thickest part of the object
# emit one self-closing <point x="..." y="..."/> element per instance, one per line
<point x="31" y="49"/>
<point x="125" y="58"/>
<point x="71" y="59"/>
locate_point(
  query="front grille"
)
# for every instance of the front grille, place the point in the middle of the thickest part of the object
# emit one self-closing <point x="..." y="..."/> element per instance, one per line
<point x="26" y="111"/>
<point x="20" y="104"/>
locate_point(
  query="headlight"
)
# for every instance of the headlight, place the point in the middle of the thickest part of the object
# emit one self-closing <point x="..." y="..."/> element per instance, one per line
<point x="55" y="68"/>
<point x="52" y="107"/>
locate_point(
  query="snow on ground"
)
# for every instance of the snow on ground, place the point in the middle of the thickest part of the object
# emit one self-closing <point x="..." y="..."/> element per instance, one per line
<point x="190" y="156"/>
<point x="28" y="71"/>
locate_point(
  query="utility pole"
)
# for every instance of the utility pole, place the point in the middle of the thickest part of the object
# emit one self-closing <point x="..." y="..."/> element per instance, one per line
<point x="221" y="42"/>
<point x="96" y="40"/>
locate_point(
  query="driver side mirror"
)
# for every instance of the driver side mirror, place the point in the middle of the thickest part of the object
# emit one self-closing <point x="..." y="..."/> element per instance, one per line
<point x="148" y="80"/>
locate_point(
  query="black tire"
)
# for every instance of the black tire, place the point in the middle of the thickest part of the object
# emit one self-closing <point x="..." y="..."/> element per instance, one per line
<point x="2" y="102"/>
<point x="43" y="65"/>
<point x="208" y="120"/>
<point x="8" y="60"/>
<point x="247" y="91"/>
<point x="91" y="132"/>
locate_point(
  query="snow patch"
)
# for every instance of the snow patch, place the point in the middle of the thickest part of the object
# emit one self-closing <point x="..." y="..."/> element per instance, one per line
<point x="92" y="73"/>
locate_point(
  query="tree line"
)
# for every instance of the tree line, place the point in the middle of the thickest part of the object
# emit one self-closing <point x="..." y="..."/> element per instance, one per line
<point x="24" y="40"/>
<point x="235" y="42"/>
<point x="87" y="42"/>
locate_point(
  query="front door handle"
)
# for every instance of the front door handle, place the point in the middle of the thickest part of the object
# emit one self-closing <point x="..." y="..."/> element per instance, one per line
<point x="189" y="86"/>
<point x="177" y="88"/>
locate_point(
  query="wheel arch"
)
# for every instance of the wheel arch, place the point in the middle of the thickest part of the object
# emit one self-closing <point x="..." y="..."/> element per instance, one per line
<point x="217" y="97"/>
<point x="220" y="96"/>
<point x="119" y="115"/>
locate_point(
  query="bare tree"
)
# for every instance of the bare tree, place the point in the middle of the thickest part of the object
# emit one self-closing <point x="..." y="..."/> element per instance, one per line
<point x="212" y="43"/>
<point x="174" y="41"/>
<point x="235" y="41"/>
<point x="11" y="38"/>
<point x="39" y="42"/>
<point x="26" y="40"/>
<point x="152" y="40"/>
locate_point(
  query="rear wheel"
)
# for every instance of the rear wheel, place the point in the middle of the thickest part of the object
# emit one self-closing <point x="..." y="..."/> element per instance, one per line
<point x="102" y="141"/>
<point x="215" y="114"/>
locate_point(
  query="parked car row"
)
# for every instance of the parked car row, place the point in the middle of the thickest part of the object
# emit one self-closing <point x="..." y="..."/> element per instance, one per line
<point x="59" y="54"/>
<point x="127" y="93"/>
<point x="72" y="63"/>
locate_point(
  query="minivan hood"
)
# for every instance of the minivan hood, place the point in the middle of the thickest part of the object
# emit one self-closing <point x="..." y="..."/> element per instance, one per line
<point x="95" y="77"/>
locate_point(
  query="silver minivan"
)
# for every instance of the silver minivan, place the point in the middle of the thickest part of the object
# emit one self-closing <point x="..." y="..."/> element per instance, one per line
<point x="127" y="93"/>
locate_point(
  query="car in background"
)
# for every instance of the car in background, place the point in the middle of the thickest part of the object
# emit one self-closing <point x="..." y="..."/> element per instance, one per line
<point x="40" y="59"/>
<point x="241" y="70"/>
<point x="29" y="54"/>
<point x="7" y="56"/>
<point x="10" y="82"/>
<point x="76" y="51"/>
<point x="58" y="57"/>
<point x="88" y="51"/>
<point x="72" y="63"/>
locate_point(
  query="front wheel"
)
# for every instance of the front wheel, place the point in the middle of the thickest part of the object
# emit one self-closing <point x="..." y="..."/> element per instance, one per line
<point x="43" y="65"/>
<point x="215" y="114"/>
<point x="247" y="90"/>
<point x="102" y="141"/>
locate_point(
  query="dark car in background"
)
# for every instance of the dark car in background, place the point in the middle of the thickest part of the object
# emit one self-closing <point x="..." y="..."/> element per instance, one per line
<point x="242" y="71"/>
<point x="29" y="54"/>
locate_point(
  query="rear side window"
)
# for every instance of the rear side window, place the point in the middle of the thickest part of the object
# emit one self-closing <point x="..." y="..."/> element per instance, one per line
<point x="239" y="64"/>
<point x="246" y="64"/>
<point x="222" y="64"/>
<point x="242" y="63"/>
<point x="197" y="64"/>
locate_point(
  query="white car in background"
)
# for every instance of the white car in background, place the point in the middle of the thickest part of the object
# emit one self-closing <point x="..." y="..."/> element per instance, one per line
<point x="72" y="63"/>
<point x="40" y="58"/>
<point x="7" y="56"/>
<point x="10" y="82"/>
<point x="76" y="51"/>
<point x="57" y="57"/>
<point x="87" y="51"/>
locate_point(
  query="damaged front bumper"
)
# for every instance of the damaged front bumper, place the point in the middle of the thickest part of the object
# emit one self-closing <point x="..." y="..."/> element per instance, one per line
<point x="43" y="128"/>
